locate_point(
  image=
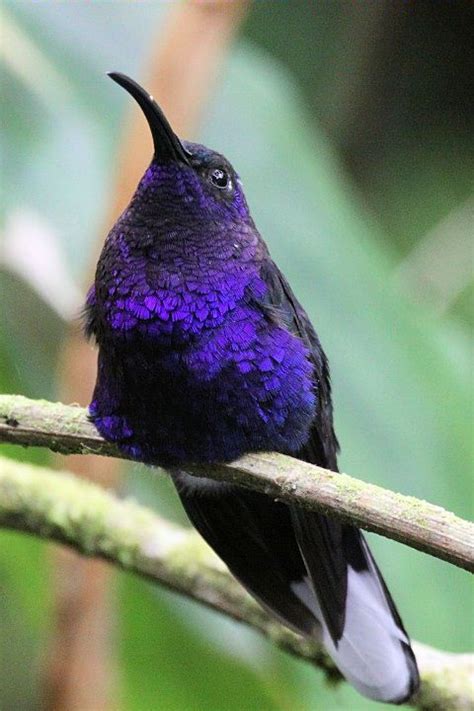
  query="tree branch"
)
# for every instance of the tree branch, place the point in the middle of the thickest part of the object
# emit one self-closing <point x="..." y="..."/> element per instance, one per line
<point x="421" y="525"/>
<point x="60" y="507"/>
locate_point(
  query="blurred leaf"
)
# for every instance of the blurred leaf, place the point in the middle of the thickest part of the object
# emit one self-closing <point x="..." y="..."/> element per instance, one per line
<point x="167" y="664"/>
<point x="33" y="334"/>
<point x="32" y="250"/>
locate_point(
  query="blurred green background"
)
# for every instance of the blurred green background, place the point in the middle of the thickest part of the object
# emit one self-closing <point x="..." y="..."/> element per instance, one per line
<point x="351" y="127"/>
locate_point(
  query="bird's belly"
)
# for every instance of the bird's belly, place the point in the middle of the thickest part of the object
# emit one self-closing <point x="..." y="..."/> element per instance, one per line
<point x="207" y="404"/>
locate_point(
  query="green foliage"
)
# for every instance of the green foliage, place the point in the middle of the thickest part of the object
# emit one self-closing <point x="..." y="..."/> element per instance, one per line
<point x="403" y="394"/>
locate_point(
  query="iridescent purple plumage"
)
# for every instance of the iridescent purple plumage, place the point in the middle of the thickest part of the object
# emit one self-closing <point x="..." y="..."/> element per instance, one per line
<point x="206" y="371"/>
<point x="205" y="354"/>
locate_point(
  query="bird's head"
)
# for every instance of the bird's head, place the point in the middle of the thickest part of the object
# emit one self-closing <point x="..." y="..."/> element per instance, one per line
<point x="184" y="178"/>
<point x="185" y="250"/>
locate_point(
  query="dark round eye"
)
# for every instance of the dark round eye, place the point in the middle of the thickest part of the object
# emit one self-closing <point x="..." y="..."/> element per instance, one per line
<point x="219" y="178"/>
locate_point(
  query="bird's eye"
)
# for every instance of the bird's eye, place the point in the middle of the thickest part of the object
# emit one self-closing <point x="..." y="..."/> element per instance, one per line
<point x="220" y="178"/>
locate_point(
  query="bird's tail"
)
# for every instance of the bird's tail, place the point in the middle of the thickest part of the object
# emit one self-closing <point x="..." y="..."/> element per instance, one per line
<point x="361" y="628"/>
<point x="314" y="574"/>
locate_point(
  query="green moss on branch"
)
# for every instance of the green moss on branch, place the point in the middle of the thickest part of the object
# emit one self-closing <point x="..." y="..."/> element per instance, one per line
<point x="66" y="429"/>
<point x="60" y="507"/>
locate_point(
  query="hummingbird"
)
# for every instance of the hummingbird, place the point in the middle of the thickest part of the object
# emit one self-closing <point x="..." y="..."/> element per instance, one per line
<point x="205" y="354"/>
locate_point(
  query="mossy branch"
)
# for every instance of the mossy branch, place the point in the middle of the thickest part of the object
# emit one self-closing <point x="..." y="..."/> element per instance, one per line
<point x="421" y="525"/>
<point x="60" y="507"/>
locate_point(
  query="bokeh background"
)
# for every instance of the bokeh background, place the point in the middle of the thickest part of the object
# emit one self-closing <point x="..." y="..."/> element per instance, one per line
<point x="351" y="125"/>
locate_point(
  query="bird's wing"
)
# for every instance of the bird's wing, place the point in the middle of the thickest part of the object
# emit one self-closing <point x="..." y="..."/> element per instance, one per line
<point x="282" y="306"/>
<point x="362" y="629"/>
<point x="319" y="537"/>
<point x="312" y="572"/>
<point x="254" y="537"/>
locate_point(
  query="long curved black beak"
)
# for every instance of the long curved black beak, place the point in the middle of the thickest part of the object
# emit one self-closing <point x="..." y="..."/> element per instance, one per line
<point x="167" y="145"/>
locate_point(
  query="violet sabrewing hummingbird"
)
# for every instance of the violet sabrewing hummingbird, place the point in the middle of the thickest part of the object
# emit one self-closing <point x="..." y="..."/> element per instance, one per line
<point x="205" y="354"/>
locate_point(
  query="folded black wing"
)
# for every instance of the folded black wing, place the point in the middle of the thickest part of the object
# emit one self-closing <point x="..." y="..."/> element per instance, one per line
<point x="282" y="306"/>
<point x="362" y="629"/>
<point x="254" y="537"/>
<point x="312" y="572"/>
<point x="320" y="538"/>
